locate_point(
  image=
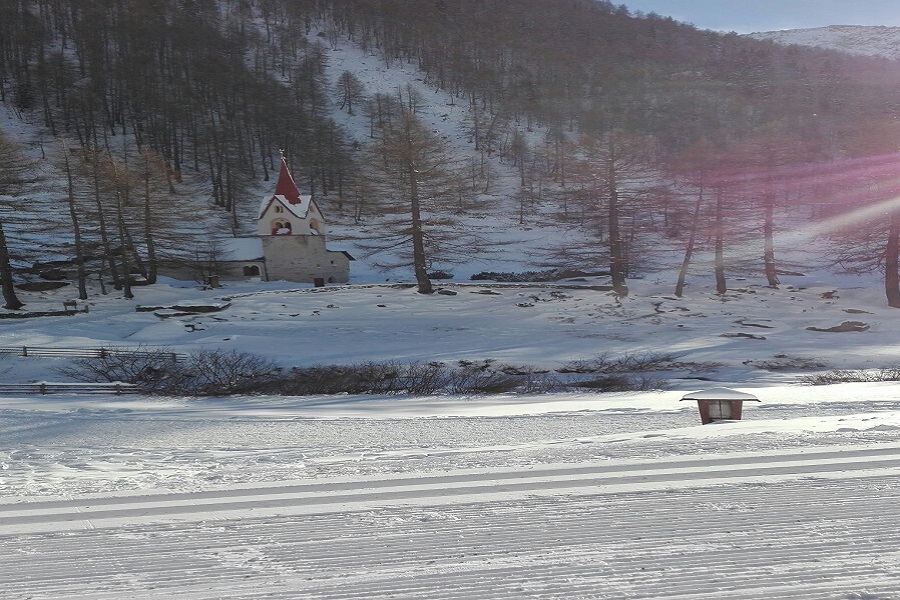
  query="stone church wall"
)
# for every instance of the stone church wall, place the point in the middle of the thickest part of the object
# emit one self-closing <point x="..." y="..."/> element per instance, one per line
<point x="304" y="258"/>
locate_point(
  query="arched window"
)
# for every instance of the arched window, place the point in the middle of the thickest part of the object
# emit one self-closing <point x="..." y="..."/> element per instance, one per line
<point x="314" y="226"/>
<point x="281" y="227"/>
<point x="279" y="209"/>
<point x="251" y="271"/>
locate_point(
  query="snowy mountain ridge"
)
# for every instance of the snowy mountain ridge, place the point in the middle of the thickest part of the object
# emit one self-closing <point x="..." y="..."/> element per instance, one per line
<point x="865" y="40"/>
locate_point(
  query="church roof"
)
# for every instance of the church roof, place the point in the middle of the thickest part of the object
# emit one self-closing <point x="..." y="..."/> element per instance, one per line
<point x="299" y="210"/>
<point x="287" y="194"/>
<point x="286" y="186"/>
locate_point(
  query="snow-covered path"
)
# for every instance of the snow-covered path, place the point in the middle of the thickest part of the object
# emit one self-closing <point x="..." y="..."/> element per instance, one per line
<point x="817" y="524"/>
<point x="485" y="485"/>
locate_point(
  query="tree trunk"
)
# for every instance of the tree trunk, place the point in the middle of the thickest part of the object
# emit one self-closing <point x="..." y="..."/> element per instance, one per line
<point x="689" y="251"/>
<point x="126" y="248"/>
<point x="81" y="276"/>
<point x="617" y="266"/>
<point x="152" y="263"/>
<point x="418" y="237"/>
<point x="891" y="260"/>
<point x="11" y="301"/>
<point x="101" y="223"/>
<point x="769" y="239"/>
<point x="721" y="285"/>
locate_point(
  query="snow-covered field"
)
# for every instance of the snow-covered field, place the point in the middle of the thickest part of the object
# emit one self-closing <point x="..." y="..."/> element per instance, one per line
<point x="576" y="495"/>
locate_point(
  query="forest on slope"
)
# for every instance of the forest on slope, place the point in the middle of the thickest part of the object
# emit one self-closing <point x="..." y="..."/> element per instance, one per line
<point x="626" y="128"/>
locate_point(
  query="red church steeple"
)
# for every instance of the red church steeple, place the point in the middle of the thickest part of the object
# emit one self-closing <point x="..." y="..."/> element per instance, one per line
<point x="286" y="186"/>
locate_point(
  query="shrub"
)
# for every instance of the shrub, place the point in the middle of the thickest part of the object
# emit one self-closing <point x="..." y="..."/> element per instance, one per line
<point x="215" y="372"/>
<point x="629" y="363"/>
<point x="440" y="275"/>
<point x="148" y="368"/>
<point x="533" y="381"/>
<point x="481" y="378"/>
<point x="528" y="276"/>
<point x="515" y="277"/>
<point x="205" y="373"/>
<point x="418" y="378"/>
<point x="621" y="383"/>
<point x="364" y="378"/>
<point x="783" y="362"/>
<point x="852" y="376"/>
<point x="225" y="372"/>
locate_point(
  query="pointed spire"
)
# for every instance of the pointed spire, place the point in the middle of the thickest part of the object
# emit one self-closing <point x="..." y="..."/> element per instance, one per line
<point x="286" y="186"/>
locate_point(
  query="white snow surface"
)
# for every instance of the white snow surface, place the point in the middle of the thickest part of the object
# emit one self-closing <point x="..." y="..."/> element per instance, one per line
<point x="554" y="496"/>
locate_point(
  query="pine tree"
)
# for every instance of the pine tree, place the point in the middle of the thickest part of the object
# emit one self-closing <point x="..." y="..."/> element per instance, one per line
<point x="417" y="179"/>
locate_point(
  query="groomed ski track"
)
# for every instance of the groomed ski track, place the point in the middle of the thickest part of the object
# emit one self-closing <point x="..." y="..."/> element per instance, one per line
<point x="823" y="523"/>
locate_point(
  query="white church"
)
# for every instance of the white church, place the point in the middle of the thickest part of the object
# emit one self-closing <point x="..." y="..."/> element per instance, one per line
<point x="289" y="245"/>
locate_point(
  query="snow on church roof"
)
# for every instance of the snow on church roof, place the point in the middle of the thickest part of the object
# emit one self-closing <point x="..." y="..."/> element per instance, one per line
<point x="287" y="194"/>
<point x="299" y="210"/>
<point x="240" y="248"/>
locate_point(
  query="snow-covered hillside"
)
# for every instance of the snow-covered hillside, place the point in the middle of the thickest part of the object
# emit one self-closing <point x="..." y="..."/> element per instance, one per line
<point x="520" y="239"/>
<point x="853" y="39"/>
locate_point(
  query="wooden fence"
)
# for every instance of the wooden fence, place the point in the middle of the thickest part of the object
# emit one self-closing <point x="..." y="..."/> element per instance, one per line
<point x="46" y="387"/>
<point x="45" y="352"/>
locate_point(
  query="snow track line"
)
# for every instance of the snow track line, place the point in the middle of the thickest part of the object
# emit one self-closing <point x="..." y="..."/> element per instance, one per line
<point x="326" y="497"/>
<point x="799" y="540"/>
<point x="853" y="454"/>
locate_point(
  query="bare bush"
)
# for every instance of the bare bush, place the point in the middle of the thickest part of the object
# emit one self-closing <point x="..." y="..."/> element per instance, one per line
<point x="481" y="378"/>
<point x="629" y="363"/>
<point x="226" y="372"/>
<point x="783" y="362"/>
<point x="205" y="373"/>
<point x="622" y="383"/>
<point x="365" y="378"/>
<point x="428" y="378"/>
<point x="852" y="376"/>
<point x="540" y="382"/>
<point x="215" y="372"/>
<point x="151" y="369"/>
<point x="532" y="380"/>
<point x="529" y="276"/>
<point x="421" y="379"/>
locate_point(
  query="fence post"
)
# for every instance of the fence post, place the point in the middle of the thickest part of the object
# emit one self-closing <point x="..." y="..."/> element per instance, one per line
<point x="43" y="388"/>
<point x="24" y="350"/>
